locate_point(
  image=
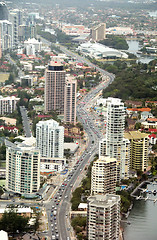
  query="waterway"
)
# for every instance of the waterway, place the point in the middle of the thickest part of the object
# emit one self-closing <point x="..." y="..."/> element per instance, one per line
<point x="134" y="47"/>
<point x="143" y="219"/>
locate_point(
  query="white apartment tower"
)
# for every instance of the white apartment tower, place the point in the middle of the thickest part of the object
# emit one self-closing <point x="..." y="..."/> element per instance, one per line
<point x="103" y="217"/>
<point x="50" y="139"/>
<point x="104" y="176"/>
<point x="55" y="88"/>
<point x="8" y="104"/>
<point x="6" y="34"/>
<point x="16" y="18"/>
<point x="114" y="144"/>
<point x="70" y="100"/>
<point x="22" y="168"/>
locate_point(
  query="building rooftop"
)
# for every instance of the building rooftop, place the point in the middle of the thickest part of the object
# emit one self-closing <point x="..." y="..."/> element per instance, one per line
<point x="135" y="135"/>
<point x="106" y="200"/>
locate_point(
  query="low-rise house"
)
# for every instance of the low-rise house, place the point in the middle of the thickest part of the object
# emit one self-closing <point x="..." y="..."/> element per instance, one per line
<point x="152" y="138"/>
<point x="10" y="129"/>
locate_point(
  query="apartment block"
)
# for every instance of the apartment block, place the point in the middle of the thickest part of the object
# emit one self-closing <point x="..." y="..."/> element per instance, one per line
<point x="50" y="138"/>
<point x="114" y="144"/>
<point x="99" y="32"/>
<point x="70" y="100"/>
<point x="55" y="88"/>
<point x="139" y="146"/>
<point x="103" y="217"/>
<point x="8" y="104"/>
<point x="22" y="168"/>
<point x="104" y="176"/>
<point x="6" y="35"/>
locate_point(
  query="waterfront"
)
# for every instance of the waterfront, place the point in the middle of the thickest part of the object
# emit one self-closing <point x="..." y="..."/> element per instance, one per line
<point x="134" y="47"/>
<point x="143" y="218"/>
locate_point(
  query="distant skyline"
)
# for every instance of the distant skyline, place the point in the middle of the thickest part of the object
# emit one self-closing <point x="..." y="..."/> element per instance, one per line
<point x="142" y="4"/>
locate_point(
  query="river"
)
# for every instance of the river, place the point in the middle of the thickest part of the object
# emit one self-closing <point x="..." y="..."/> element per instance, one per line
<point x="134" y="46"/>
<point x="143" y="219"/>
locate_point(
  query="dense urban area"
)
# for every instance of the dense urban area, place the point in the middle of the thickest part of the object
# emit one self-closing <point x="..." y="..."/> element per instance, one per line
<point x="78" y="120"/>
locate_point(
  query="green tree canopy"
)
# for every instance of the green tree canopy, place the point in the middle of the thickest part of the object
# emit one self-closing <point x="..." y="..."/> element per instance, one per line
<point x="11" y="222"/>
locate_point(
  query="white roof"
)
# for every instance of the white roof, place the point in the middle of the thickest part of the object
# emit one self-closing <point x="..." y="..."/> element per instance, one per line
<point x="19" y="210"/>
<point x="82" y="205"/>
<point x="97" y="48"/>
<point x="71" y="146"/>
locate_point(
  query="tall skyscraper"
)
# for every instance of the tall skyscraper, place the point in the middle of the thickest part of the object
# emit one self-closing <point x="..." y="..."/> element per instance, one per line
<point x="70" y="100"/>
<point x="103" y="217"/>
<point x="114" y="144"/>
<point x="55" y="88"/>
<point x="50" y="139"/>
<point x="3" y="11"/>
<point x="6" y="34"/>
<point x="22" y="168"/>
<point x="104" y="176"/>
<point x="16" y="18"/>
<point x="99" y="32"/>
<point x="139" y="146"/>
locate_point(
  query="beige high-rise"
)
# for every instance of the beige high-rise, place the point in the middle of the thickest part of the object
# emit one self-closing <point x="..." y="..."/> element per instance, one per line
<point x="55" y="88"/>
<point x="139" y="146"/>
<point x="99" y="32"/>
<point x="104" y="176"/>
<point x="70" y="100"/>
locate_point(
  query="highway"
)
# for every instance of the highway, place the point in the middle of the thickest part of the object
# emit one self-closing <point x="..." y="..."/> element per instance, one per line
<point x="59" y="225"/>
<point x="59" y="206"/>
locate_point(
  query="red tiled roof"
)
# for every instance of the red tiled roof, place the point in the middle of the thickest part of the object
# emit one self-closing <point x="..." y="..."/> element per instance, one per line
<point x="152" y="135"/>
<point x="152" y="130"/>
<point x="44" y="116"/>
<point x="152" y="119"/>
<point x="139" y="109"/>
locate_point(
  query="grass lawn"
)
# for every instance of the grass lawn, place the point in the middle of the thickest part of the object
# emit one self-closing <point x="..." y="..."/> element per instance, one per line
<point x="2" y="164"/>
<point x="4" y="77"/>
<point x="2" y="182"/>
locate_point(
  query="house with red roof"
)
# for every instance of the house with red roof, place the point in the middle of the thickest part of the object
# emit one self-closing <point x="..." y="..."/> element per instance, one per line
<point x="152" y="138"/>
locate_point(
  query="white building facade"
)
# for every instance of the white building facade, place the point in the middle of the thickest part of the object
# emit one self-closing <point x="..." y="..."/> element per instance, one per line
<point x="50" y="142"/>
<point x="6" y="35"/>
<point x="22" y="168"/>
<point x="103" y="217"/>
<point x="114" y="144"/>
<point x="50" y="139"/>
<point x="8" y="104"/>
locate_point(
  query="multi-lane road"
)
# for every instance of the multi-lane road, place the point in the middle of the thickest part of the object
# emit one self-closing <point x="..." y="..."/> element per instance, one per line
<point x="61" y="200"/>
<point x="59" y="205"/>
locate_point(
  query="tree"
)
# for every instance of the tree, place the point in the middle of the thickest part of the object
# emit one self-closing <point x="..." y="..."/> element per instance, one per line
<point x="11" y="222"/>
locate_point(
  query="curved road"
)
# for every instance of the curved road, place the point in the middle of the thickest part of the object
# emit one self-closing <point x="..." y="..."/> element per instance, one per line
<point x="58" y="207"/>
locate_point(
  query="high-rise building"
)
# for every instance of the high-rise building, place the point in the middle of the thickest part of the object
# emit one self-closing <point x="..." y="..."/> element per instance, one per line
<point x="3" y="11"/>
<point x="104" y="176"/>
<point x="6" y="34"/>
<point x="99" y="32"/>
<point x="114" y="144"/>
<point x="139" y="146"/>
<point x="50" y="139"/>
<point x="22" y="168"/>
<point x="8" y="104"/>
<point x="25" y="32"/>
<point x="55" y="88"/>
<point x="70" y="100"/>
<point x="16" y="18"/>
<point x="103" y="217"/>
